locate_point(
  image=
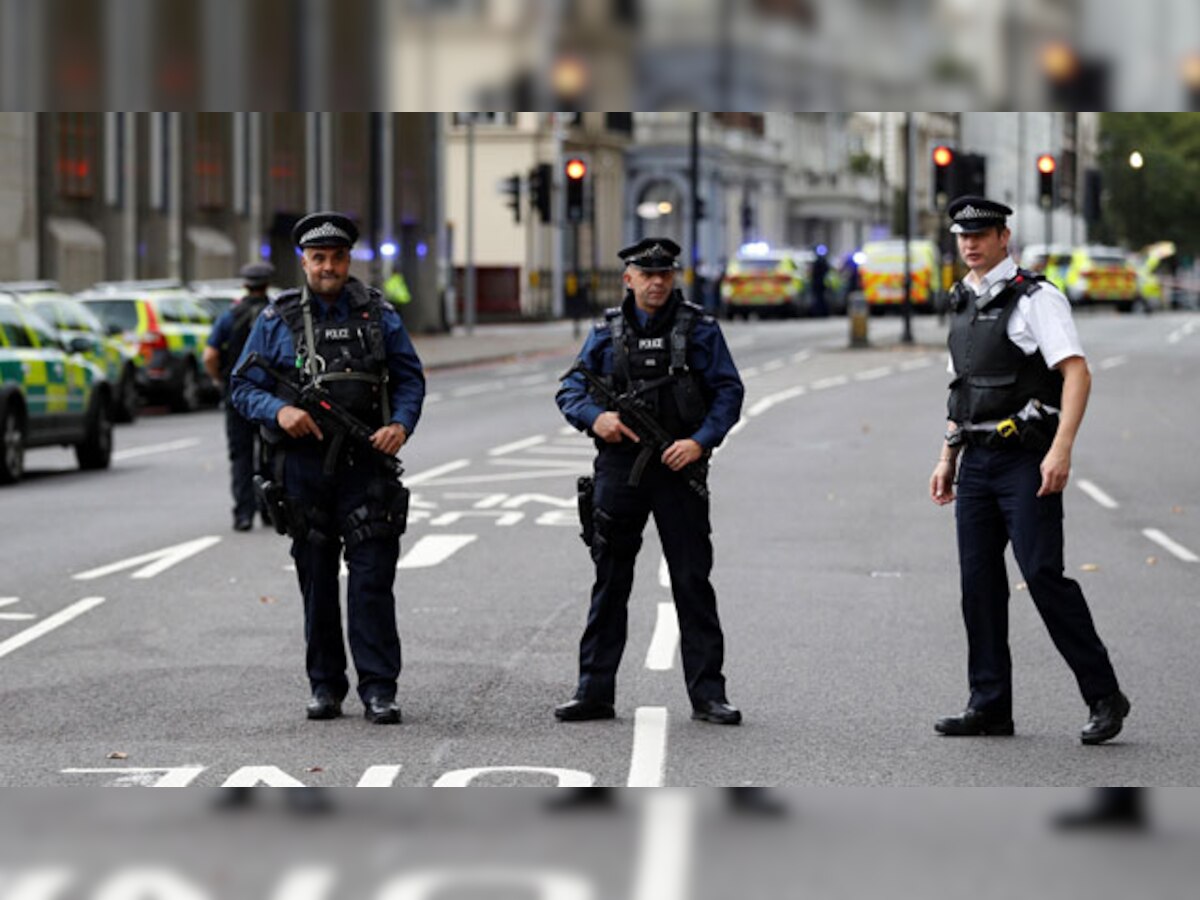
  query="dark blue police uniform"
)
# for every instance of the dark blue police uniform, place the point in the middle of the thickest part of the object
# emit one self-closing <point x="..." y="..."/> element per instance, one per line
<point x="228" y="337"/>
<point x="341" y="496"/>
<point x="680" y="513"/>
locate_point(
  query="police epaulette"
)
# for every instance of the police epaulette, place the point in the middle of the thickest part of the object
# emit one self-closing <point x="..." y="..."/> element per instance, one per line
<point x="1026" y="282"/>
<point x="613" y="312"/>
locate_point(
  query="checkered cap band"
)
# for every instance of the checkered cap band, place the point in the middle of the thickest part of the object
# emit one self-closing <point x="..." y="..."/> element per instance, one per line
<point x="322" y="231"/>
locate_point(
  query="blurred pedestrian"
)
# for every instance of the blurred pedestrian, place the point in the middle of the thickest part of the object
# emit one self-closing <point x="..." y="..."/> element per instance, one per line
<point x="1018" y="395"/>
<point x="225" y="343"/>
<point x="344" y="338"/>
<point x="817" y="273"/>
<point x="673" y="358"/>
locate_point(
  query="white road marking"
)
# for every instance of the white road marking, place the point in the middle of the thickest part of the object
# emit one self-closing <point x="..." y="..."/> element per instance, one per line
<point x="1166" y="543"/>
<point x="436" y="472"/>
<point x="163" y="776"/>
<point x="1180" y="333"/>
<point x="472" y="389"/>
<point x="570" y="430"/>
<point x="434" y="549"/>
<point x="502" y="518"/>
<point x="664" y="573"/>
<point x="1096" y="494"/>
<point x="522" y="444"/>
<point x="561" y="472"/>
<point x="307" y="883"/>
<point x="47" y="625"/>
<point x="1112" y="362"/>
<point x="435" y="397"/>
<point x="159" y="560"/>
<point x="531" y="380"/>
<point x="148" y="449"/>
<point x="770" y="400"/>
<point x="518" y="500"/>
<point x="833" y="381"/>
<point x="271" y="776"/>
<point x="9" y="601"/>
<point x="872" y="374"/>
<point x="666" y="847"/>
<point x="802" y="356"/>
<point x="648" y="763"/>
<point x="921" y="362"/>
<point x="378" y="776"/>
<point x="559" y="449"/>
<point x="14" y="616"/>
<point x="661" y="655"/>
<point x="37" y="884"/>
<point x="772" y="365"/>
<point x="751" y="372"/>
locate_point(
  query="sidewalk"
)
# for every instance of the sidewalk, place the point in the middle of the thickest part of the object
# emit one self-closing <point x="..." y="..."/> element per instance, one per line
<point x="492" y="343"/>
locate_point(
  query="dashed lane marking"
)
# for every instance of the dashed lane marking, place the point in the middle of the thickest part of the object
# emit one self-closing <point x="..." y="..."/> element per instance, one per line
<point x="1096" y="494"/>
<point x="922" y="362"/>
<point x="648" y="764"/>
<point x="13" y="616"/>
<point x="434" y="549"/>
<point x="436" y="472"/>
<point x="666" y="847"/>
<point x="661" y="655"/>
<point x="149" y="449"/>
<point x="761" y="406"/>
<point x="1170" y="546"/>
<point x="523" y="444"/>
<point x="834" y="381"/>
<point x="47" y="625"/>
<point x="1112" y="362"/>
<point x="873" y="374"/>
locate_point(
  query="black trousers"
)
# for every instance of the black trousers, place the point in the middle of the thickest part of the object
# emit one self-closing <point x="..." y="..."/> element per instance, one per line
<point x="998" y="504"/>
<point x="370" y="602"/>
<point x="682" y="518"/>
<point x="243" y="442"/>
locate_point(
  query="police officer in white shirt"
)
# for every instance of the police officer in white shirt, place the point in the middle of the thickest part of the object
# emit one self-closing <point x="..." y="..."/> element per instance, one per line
<point x="1018" y="394"/>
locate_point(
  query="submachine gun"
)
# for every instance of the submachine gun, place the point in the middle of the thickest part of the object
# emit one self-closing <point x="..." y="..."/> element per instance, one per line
<point x="653" y="438"/>
<point x="338" y="425"/>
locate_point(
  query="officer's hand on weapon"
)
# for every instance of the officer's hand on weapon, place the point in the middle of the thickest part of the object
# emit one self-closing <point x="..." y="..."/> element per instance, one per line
<point x="610" y="429"/>
<point x="681" y="453"/>
<point x="1056" y="469"/>
<point x="297" y="423"/>
<point x="389" y="439"/>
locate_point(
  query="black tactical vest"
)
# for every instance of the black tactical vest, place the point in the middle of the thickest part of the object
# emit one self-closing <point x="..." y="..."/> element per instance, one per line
<point x="350" y="356"/>
<point x="994" y="378"/>
<point x="652" y="361"/>
<point x="244" y="316"/>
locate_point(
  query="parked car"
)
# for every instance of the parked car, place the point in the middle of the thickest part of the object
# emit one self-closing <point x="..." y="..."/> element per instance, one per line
<point x="168" y="325"/>
<point x="1101" y="275"/>
<point x="74" y="320"/>
<point x="50" y="393"/>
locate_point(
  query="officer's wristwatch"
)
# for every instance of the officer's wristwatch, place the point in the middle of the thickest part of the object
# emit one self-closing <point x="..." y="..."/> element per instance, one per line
<point x="954" y="438"/>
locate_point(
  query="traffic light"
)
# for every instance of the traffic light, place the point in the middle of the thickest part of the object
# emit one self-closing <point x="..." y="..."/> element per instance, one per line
<point x="576" y="171"/>
<point x="943" y="171"/>
<point x="540" y="187"/>
<point x="512" y="187"/>
<point x="1046" y="164"/>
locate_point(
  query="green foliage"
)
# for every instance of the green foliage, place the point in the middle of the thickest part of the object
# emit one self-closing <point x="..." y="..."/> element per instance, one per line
<point x="1160" y="200"/>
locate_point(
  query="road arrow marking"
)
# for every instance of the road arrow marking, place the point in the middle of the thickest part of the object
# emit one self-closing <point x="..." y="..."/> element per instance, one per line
<point x="159" y="561"/>
<point x="62" y="617"/>
<point x="434" y="549"/>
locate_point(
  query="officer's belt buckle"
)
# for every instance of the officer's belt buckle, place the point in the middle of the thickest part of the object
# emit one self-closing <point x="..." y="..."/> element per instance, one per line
<point x="1006" y="428"/>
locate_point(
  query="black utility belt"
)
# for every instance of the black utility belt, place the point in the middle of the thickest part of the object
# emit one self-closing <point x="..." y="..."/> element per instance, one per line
<point x="1012" y="434"/>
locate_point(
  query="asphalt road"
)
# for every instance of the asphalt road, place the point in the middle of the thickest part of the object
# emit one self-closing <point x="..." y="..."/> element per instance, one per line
<point x="144" y="642"/>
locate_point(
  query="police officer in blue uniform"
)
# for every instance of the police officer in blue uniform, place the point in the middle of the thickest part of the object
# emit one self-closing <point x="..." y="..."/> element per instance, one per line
<point x="225" y="345"/>
<point x="675" y="357"/>
<point x="1019" y="391"/>
<point x="344" y="335"/>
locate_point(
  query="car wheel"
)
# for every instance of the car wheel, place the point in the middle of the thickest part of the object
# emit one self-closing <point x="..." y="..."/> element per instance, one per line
<point x="95" y="451"/>
<point x="188" y="397"/>
<point x="126" y="407"/>
<point x="12" y="445"/>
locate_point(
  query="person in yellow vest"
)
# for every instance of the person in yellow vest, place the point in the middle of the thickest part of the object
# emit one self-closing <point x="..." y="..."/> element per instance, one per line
<point x="396" y="290"/>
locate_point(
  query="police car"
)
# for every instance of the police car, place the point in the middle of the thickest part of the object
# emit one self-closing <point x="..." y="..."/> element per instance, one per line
<point x="222" y="293"/>
<point x="74" y="320"/>
<point x="167" y="326"/>
<point x="766" y="281"/>
<point x="50" y="393"/>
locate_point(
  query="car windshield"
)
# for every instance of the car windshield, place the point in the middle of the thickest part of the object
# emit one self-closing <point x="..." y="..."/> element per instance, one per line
<point x="1108" y="259"/>
<point x="121" y="313"/>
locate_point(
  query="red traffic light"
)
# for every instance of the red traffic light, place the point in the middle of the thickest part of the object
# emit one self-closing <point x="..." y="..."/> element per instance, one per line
<point x="942" y="156"/>
<point x="1046" y="164"/>
<point x="576" y="169"/>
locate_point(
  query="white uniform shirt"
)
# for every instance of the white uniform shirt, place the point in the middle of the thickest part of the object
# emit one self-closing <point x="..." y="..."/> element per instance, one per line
<point x="1042" y="320"/>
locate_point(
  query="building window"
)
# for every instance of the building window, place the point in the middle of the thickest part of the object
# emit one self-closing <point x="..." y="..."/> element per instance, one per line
<point x="212" y="160"/>
<point x="286" y="166"/>
<point x="619" y="121"/>
<point x="77" y="157"/>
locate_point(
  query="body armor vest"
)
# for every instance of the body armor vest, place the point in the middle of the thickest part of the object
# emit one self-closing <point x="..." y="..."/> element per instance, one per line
<point x="994" y="378"/>
<point x="652" y="362"/>
<point x="244" y="316"/>
<point x="349" y="359"/>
